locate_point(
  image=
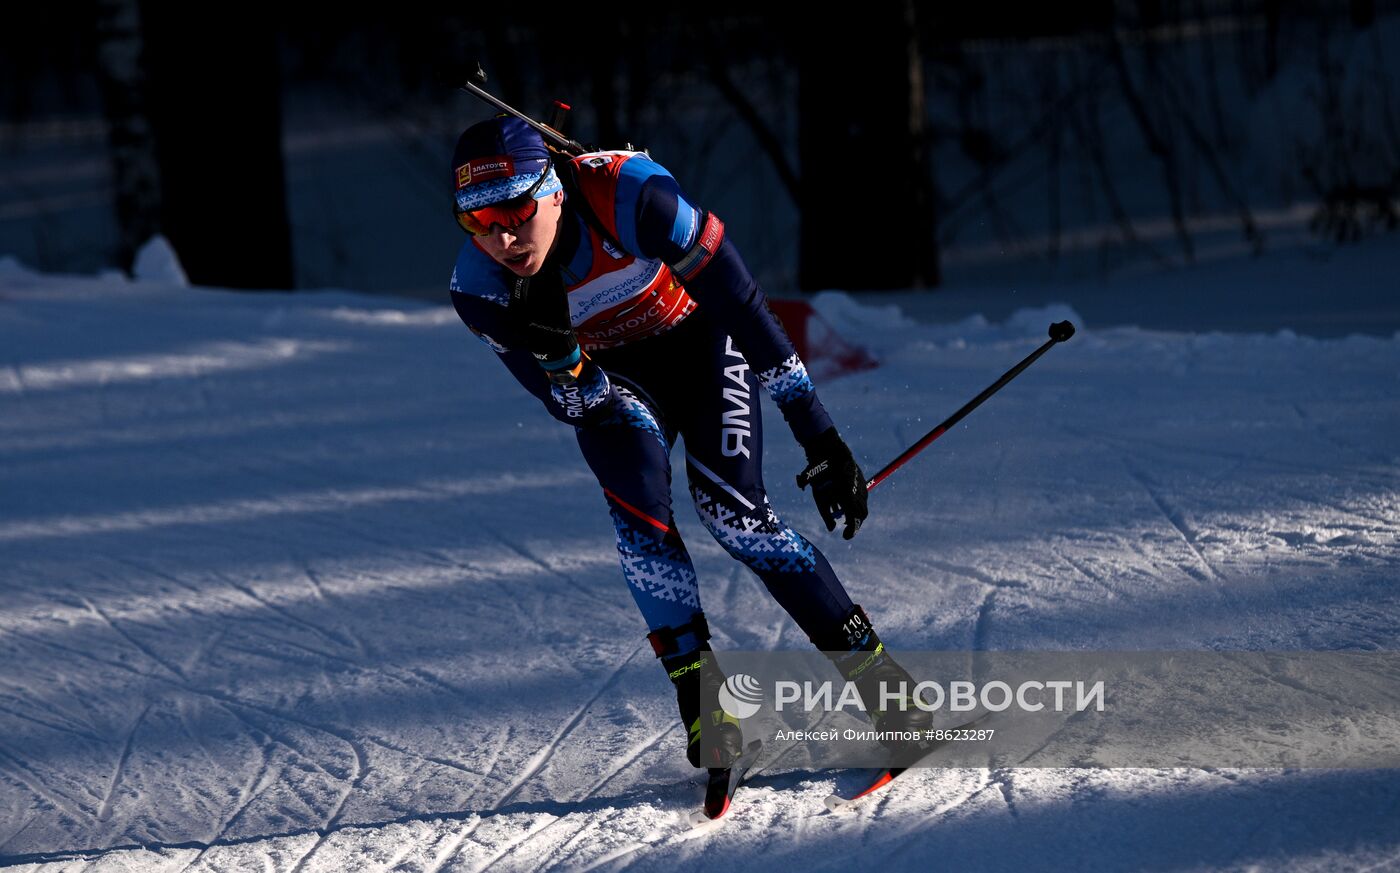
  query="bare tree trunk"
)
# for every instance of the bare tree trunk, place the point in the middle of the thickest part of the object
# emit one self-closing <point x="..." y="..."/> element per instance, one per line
<point x="1209" y="154"/>
<point x="1088" y="130"/>
<point x="928" y="266"/>
<point x="1273" y="17"/>
<point x="216" y="112"/>
<point x="1156" y="141"/>
<point x="1051" y="85"/>
<point x="135" y="175"/>
<point x="717" y="71"/>
<point x="863" y="167"/>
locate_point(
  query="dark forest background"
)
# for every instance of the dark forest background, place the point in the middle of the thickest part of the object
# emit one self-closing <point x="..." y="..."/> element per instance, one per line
<point x="881" y="149"/>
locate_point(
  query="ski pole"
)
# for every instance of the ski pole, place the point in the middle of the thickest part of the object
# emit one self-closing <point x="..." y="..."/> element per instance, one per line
<point x="1059" y="332"/>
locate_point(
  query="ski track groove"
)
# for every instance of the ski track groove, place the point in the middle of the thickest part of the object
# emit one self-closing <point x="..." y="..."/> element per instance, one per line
<point x="159" y="574"/>
<point x="1147" y="563"/>
<point x="1003" y="779"/>
<point x="313" y="578"/>
<point x="1173" y="517"/>
<point x="251" y="593"/>
<point x="506" y="735"/>
<point x="319" y="476"/>
<point x="397" y="858"/>
<point x="622" y="852"/>
<point x="860" y="821"/>
<point x="118" y="665"/>
<point x="1064" y="724"/>
<point x="1292" y="683"/>
<point x="574" y="583"/>
<point x="202" y="650"/>
<point x="542" y="757"/>
<point x="77" y="732"/>
<point x="1227" y="476"/>
<point x="534" y="830"/>
<point x="1080" y="569"/>
<point x="588" y="821"/>
<point x="354" y="534"/>
<point x="1356" y="451"/>
<point x="442" y="762"/>
<point x="994" y="480"/>
<point x="448" y="852"/>
<point x="637" y="752"/>
<point x="227" y="701"/>
<point x="319" y="656"/>
<point x="14" y="836"/>
<point x="904" y="841"/>
<point x="428" y="678"/>
<point x="361" y="667"/>
<point x="989" y="780"/>
<point x="409" y="675"/>
<point x="246" y="794"/>
<point x="31" y="780"/>
<point x="780" y="627"/>
<point x="974" y="574"/>
<point x="982" y="629"/>
<point x="561" y="853"/>
<point x="1391" y="863"/>
<point x="362" y="770"/>
<point x="508" y="597"/>
<point x="278" y="658"/>
<point x="1261" y="463"/>
<point x="1382" y="525"/>
<point x="140" y="647"/>
<point x="104" y="810"/>
<point x="726" y="585"/>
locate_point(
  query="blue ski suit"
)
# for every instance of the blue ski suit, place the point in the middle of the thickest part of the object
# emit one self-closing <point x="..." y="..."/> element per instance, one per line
<point x="677" y="341"/>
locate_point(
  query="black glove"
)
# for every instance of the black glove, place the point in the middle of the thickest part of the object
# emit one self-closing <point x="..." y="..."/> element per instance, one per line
<point x="541" y="306"/>
<point x="838" y="486"/>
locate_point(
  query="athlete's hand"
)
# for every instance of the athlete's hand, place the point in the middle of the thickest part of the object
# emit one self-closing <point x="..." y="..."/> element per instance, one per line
<point x="838" y="486"/>
<point x="540" y="303"/>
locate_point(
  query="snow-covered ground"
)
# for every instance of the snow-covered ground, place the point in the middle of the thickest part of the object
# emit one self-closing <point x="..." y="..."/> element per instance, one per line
<point x="307" y="583"/>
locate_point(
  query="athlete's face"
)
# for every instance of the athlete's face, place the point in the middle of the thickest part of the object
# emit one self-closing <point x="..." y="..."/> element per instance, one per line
<point x="523" y="249"/>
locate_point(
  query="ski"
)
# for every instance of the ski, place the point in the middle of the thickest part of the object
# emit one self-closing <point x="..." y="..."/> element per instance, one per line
<point x="724" y="781"/>
<point x="839" y="803"/>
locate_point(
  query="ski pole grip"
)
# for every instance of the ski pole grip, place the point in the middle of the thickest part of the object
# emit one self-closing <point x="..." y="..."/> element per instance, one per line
<point x="1061" y="331"/>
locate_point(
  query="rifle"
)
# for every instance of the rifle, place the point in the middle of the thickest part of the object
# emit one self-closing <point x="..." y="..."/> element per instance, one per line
<point x="554" y="139"/>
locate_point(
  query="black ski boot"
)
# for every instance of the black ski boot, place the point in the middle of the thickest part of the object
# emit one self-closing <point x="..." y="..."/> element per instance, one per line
<point x="698" y="679"/>
<point x="862" y="658"/>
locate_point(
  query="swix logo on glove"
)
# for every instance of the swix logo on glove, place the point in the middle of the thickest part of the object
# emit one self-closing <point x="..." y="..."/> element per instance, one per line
<point x="818" y="469"/>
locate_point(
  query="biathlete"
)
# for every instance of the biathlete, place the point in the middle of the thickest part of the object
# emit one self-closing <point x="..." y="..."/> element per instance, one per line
<point x="627" y="310"/>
